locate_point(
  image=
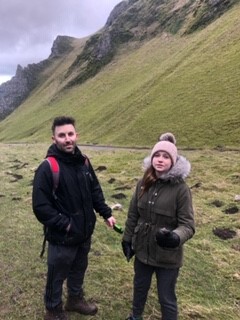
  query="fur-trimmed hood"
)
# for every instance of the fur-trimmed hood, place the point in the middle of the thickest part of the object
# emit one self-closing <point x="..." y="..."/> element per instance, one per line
<point x="179" y="171"/>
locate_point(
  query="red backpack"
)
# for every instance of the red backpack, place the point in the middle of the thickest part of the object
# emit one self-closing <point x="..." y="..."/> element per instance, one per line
<point x="54" y="166"/>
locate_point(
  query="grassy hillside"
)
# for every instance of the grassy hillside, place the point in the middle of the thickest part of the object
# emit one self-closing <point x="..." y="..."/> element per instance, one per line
<point x="185" y="84"/>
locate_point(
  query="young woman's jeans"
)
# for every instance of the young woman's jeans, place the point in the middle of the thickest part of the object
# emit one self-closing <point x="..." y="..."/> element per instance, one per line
<point x="166" y="283"/>
<point x="65" y="262"/>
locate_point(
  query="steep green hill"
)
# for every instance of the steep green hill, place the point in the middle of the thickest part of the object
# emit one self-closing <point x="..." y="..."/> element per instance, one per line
<point x="185" y="83"/>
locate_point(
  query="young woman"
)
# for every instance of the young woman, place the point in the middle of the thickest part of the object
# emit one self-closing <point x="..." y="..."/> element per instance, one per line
<point x="160" y="220"/>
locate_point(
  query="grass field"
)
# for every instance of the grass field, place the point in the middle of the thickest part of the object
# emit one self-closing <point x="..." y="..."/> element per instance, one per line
<point x="209" y="283"/>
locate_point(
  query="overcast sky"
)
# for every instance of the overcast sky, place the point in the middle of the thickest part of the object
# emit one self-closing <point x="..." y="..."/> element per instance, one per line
<point x="29" y="27"/>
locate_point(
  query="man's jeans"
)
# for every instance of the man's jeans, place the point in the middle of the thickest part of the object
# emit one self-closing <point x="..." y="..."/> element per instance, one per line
<point x="65" y="262"/>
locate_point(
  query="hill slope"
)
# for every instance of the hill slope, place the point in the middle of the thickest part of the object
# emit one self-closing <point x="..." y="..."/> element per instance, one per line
<point x="185" y="83"/>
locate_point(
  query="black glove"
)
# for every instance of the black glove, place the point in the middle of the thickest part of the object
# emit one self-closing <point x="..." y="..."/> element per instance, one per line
<point x="127" y="250"/>
<point x="167" y="239"/>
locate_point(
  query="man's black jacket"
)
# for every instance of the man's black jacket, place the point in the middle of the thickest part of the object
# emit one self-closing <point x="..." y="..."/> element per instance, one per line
<point x="79" y="195"/>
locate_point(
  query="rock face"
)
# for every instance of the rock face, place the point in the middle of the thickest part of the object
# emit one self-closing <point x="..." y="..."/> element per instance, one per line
<point x="131" y="20"/>
<point x="138" y="20"/>
<point x="16" y="90"/>
<point x="61" y="46"/>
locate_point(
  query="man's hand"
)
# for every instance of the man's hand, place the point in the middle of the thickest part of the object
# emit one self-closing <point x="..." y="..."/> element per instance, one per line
<point x="167" y="239"/>
<point x="110" y="221"/>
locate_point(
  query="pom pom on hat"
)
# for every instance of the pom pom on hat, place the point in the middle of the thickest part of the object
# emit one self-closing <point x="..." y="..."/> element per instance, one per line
<point x="168" y="136"/>
<point x="166" y="143"/>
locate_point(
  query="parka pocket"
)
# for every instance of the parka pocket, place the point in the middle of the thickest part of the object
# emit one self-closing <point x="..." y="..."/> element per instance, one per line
<point x="134" y="238"/>
<point x="77" y="223"/>
<point x="164" y="218"/>
<point x="81" y="226"/>
<point x="139" y="238"/>
<point x="168" y="256"/>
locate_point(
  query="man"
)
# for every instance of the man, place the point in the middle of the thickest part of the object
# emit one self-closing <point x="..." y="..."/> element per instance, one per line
<point x="68" y="216"/>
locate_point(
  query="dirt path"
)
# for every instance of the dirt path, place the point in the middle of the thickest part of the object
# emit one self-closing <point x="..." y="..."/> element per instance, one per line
<point x="107" y="148"/>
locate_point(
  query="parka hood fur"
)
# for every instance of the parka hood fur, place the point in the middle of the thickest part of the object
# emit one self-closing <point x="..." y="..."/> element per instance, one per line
<point x="178" y="172"/>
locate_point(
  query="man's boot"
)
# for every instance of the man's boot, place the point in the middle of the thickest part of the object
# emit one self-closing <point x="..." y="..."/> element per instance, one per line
<point x="56" y="314"/>
<point x="80" y="305"/>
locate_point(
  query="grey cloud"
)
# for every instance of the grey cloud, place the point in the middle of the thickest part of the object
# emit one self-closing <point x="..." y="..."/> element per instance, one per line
<point x="28" y="28"/>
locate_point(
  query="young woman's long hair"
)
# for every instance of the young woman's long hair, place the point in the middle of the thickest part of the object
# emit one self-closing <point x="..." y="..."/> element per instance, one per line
<point x="148" y="180"/>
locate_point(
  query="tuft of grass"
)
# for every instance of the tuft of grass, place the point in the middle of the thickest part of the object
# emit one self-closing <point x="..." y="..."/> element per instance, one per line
<point x="208" y="286"/>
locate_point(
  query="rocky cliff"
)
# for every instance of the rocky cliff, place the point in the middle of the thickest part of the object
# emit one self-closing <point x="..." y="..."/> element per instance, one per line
<point x="16" y="90"/>
<point x="139" y="20"/>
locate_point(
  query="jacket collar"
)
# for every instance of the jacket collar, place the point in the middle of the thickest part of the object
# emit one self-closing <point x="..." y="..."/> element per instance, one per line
<point x="73" y="159"/>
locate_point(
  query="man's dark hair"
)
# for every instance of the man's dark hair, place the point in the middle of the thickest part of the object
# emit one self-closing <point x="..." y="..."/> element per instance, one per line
<point x="61" y="121"/>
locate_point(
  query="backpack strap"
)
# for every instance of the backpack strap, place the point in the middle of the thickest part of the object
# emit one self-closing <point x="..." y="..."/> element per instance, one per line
<point x="86" y="162"/>
<point x="54" y="166"/>
<point x="44" y="242"/>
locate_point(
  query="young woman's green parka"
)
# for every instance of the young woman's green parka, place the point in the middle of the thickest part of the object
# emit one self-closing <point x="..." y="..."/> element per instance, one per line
<point x="167" y="204"/>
